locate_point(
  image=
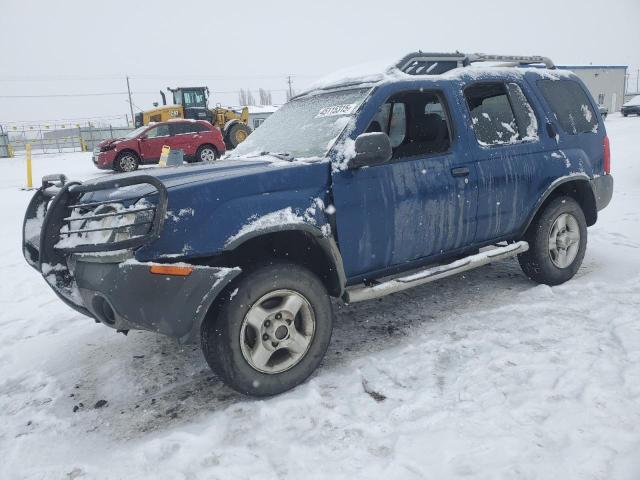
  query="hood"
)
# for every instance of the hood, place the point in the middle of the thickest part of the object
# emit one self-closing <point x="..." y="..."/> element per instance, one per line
<point x="174" y="177"/>
<point x="110" y="141"/>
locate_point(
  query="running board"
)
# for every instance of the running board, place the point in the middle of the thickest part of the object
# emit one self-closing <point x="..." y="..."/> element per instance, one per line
<point x="359" y="294"/>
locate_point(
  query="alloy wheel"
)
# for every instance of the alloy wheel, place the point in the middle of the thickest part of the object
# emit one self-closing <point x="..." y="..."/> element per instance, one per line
<point x="564" y="240"/>
<point x="277" y="331"/>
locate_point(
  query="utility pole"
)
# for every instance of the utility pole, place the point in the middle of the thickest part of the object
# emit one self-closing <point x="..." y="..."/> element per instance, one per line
<point x="130" y="101"/>
<point x="290" y="87"/>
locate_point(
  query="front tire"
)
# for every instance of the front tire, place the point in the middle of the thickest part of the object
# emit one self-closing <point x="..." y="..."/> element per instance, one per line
<point x="236" y="134"/>
<point x="557" y="242"/>
<point x="271" y="330"/>
<point x="126" y="162"/>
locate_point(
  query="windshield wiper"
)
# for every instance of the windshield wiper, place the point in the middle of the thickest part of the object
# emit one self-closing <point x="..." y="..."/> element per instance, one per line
<point x="281" y="155"/>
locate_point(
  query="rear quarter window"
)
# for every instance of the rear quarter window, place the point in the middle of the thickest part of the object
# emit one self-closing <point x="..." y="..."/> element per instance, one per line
<point x="571" y="106"/>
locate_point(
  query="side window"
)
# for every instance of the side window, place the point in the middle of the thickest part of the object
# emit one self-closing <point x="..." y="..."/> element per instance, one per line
<point x="178" y="128"/>
<point x="159" y="131"/>
<point x="397" y="124"/>
<point x="416" y="122"/>
<point x="500" y="114"/>
<point x="570" y="105"/>
<point x="194" y="99"/>
<point x="523" y="111"/>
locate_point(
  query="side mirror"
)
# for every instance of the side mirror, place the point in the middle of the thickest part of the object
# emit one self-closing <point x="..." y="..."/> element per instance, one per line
<point x="143" y="137"/>
<point x="371" y="149"/>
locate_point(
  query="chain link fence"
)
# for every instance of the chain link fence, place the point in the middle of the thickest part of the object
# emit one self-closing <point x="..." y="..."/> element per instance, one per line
<point x="4" y="144"/>
<point x="55" y="139"/>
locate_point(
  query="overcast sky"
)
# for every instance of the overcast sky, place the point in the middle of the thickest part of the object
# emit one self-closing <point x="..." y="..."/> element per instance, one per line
<point x="52" y="47"/>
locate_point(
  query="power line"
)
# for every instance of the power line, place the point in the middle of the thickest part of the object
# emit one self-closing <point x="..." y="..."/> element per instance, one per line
<point x="38" y="78"/>
<point x="104" y="94"/>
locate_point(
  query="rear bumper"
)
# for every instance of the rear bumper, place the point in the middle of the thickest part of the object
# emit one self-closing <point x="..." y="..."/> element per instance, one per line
<point x="603" y="190"/>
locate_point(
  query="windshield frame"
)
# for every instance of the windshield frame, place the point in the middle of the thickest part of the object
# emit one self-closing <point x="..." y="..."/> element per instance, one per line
<point x="367" y="89"/>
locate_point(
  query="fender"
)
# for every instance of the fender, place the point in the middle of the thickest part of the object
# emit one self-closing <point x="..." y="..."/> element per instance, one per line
<point x="228" y="125"/>
<point x="326" y="243"/>
<point x="582" y="177"/>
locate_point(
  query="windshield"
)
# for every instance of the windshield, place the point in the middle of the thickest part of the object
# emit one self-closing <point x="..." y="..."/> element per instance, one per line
<point x="304" y="127"/>
<point x="136" y="132"/>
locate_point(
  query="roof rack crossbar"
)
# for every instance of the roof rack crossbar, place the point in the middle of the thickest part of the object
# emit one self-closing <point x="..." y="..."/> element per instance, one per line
<point x="421" y="63"/>
<point x="512" y="59"/>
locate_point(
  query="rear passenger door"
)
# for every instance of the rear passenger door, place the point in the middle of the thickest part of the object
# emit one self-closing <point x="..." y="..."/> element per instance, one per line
<point x="418" y="205"/>
<point x="182" y="137"/>
<point x="508" y="154"/>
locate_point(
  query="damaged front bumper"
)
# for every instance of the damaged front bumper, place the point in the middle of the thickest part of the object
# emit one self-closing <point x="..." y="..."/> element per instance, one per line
<point x="104" y="281"/>
<point x="127" y="296"/>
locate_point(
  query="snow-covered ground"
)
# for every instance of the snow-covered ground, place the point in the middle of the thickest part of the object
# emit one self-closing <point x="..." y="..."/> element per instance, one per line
<point x="484" y="375"/>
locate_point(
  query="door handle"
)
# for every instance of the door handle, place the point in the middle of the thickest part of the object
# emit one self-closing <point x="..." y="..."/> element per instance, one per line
<point x="460" y="172"/>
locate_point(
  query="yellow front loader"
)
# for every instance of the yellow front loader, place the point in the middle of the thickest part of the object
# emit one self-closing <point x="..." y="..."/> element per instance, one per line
<point x="192" y="102"/>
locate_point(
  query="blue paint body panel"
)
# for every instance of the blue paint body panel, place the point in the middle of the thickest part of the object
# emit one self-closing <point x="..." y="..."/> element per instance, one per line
<point x="387" y="217"/>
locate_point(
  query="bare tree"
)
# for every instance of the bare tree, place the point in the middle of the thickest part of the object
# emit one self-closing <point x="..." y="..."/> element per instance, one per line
<point x="242" y="97"/>
<point x="265" y="97"/>
<point x="250" y="99"/>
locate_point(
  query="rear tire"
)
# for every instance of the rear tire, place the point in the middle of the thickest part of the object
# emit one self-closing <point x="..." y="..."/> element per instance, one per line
<point x="126" y="162"/>
<point x="271" y="330"/>
<point x="207" y="153"/>
<point x="557" y="242"/>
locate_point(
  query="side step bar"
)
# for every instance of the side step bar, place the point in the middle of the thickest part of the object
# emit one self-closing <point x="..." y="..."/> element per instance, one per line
<point x="359" y="293"/>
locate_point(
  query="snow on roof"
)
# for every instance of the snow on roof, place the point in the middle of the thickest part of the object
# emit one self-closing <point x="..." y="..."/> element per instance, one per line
<point x="377" y="73"/>
<point x="578" y="67"/>
<point x="253" y="109"/>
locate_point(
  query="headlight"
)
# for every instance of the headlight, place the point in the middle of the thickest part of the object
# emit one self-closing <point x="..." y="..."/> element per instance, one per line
<point x="107" y="223"/>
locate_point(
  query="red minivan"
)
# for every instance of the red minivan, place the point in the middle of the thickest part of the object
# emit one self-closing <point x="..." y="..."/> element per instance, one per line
<point x="198" y="139"/>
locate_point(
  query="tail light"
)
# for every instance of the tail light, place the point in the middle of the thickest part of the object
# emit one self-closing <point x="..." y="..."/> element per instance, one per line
<point x="606" y="155"/>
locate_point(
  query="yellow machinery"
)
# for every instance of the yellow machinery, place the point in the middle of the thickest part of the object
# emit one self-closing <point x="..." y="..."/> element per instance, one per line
<point x="192" y="102"/>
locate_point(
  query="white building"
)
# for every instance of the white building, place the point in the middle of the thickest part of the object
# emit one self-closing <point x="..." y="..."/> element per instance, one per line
<point x="259" y="113"/>
<point x="605" y="82"/>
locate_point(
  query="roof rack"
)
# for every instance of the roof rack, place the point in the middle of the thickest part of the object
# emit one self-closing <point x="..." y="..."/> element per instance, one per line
<point x="423" y="63"/>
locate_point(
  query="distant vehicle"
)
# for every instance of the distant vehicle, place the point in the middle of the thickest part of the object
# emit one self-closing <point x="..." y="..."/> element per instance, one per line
<point x="632" y="107"/>
<point x="604" y="111"/>
<point x="192" y="103"/>
<point x="355" y="189"/>
<point x="199" y="140"/>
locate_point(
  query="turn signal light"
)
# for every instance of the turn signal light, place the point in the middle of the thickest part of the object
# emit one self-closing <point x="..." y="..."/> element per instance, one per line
<point x="175" y="270"/>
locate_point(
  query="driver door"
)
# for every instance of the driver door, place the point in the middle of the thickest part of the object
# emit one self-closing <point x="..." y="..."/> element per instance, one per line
<point x="418" y="205"/>
<point x="153" y="141"/>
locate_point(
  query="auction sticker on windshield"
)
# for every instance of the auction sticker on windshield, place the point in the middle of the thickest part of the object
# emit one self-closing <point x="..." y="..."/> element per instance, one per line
<point x="335" y="110"/>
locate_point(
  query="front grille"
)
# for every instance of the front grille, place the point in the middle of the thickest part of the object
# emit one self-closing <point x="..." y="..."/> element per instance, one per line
<point x="104" y="222"/>
<point x="128" y="216"/>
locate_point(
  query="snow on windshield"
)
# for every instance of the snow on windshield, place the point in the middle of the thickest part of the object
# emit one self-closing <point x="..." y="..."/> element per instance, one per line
<point x="633" y="102"/>
<point x="304" y="127"/>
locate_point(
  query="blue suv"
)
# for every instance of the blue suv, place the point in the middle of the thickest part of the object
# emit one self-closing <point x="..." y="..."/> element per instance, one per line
<point x="354" y="190"/>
